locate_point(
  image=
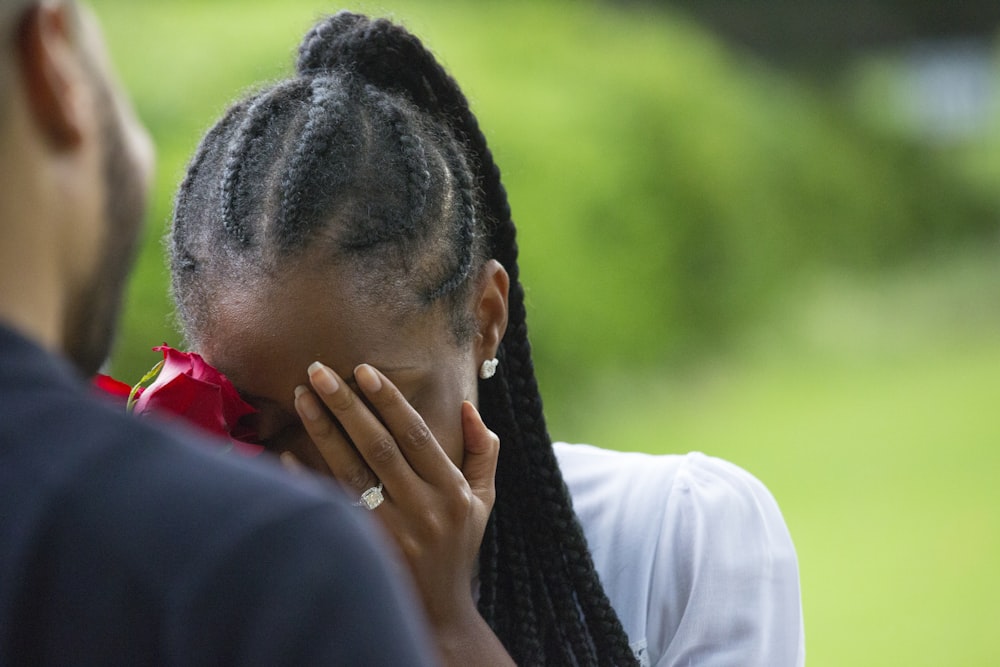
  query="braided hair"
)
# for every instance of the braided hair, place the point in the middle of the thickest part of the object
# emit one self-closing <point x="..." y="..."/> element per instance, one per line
<point x="372" y="150"/>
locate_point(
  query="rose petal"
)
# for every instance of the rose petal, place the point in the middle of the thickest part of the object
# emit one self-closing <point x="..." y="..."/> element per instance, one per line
<point x="175" y="362"/>
<point x="111" y="386"/>
<point x="115" y="390"/>
<point x="198" y="402"/>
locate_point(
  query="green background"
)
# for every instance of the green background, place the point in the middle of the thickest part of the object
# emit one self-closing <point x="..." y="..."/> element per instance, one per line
<point x="719" y="256"/>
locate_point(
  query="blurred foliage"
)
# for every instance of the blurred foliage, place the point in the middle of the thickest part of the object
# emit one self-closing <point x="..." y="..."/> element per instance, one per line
<point x="665" y="186"/>
<point x="878" y="87"/>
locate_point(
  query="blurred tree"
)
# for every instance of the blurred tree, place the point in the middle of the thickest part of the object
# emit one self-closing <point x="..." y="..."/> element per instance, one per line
<point x="822" y="34"/>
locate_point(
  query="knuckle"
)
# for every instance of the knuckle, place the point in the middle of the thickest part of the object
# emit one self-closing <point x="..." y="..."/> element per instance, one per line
<point x="461" y="502"/>
<point x="358" y="477"/>
<point x="321" y="429"/>
<point x="433" y="526"/>
<point x="381" y="449"/>
<point x="411" y="547"/>
<point x="383" y="399"/>
<point x="342" y="401"/>
<point x="418" y="436"/>
<point x="465" y="499"/>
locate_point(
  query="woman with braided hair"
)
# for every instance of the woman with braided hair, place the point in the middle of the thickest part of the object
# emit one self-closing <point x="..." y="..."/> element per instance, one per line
<point x="342" y="248"/>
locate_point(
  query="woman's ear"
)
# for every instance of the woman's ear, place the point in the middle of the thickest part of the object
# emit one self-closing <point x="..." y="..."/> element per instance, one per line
<point x="491" y="309"/>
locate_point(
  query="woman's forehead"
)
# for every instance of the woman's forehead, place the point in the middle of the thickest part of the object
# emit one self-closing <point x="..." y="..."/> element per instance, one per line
<point x="304" y="318"/>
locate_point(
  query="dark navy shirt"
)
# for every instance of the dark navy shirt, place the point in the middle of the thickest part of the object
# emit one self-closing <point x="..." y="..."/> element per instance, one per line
<point x="122" y="543"/>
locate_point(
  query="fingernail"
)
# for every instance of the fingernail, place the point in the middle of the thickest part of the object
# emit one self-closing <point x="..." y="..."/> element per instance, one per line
<point x="290" y="462"/>
<point x="306" y="403"/>
<point x="367" y="378"/>
<point x="322" y="378"/>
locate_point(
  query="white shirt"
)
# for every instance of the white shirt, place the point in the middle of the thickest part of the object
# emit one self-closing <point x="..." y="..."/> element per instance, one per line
<point x="694" y="555"/>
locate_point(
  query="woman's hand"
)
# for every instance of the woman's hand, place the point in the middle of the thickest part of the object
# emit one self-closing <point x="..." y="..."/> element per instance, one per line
<point x="436" y="512"/>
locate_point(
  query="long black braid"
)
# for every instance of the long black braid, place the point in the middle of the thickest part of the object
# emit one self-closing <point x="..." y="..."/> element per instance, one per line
<point x="373" y="150"/>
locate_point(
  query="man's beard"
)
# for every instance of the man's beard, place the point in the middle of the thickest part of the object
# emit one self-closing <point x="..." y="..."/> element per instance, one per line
<point x="93" y="315"/>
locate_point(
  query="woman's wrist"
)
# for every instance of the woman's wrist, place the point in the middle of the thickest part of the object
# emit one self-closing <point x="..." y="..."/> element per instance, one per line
<point x="467" y="639"/>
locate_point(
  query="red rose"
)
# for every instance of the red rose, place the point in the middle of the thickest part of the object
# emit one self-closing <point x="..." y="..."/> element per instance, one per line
<point x="113" y="388"/>
<point x="188" y="387"/>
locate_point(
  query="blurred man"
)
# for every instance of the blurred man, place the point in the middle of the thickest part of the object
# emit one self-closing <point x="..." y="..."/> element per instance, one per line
<point x="121" y="543"/>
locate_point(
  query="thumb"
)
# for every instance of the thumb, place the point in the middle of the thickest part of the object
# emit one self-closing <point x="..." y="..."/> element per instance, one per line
<point x="482" y="447"/>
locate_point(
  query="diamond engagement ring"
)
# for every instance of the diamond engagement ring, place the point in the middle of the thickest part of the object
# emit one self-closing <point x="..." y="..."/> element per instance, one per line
<point x="371" y="498"/>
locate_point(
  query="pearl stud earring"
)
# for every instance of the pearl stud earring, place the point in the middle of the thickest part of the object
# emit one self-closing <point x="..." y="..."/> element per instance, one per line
<point x="489" y="368"/>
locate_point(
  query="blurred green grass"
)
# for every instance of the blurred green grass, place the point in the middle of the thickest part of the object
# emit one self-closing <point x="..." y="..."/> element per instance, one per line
<point x="686" y="218"/>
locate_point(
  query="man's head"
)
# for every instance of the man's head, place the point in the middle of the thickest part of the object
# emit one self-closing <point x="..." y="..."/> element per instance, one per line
<point x="74" y="169"/>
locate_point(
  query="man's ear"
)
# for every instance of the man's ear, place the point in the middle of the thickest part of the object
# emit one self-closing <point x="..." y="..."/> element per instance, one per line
<point x="51" y="73"/>
<point x="491" y="309"/>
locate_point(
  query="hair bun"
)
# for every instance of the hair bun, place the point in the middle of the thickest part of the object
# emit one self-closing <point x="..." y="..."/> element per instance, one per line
<point x="381" y="52"/>
<point x="327" y="45"/>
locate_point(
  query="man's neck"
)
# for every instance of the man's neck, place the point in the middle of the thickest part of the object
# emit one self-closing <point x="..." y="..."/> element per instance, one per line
<point x="28" y="300"/>
<point x="32" y="293"/>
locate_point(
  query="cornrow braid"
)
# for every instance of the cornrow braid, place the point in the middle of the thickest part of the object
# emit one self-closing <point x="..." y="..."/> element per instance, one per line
<point x="233" y="201"/>
<point x="413" y="153"/>
<point x="180" y="258"/>
<point x="465" y="230"/>
<point x="381" y="153"/>
<point x="325" y="113"/>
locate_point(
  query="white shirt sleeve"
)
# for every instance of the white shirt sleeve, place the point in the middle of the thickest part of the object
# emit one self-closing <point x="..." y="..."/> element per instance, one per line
<point x="728" y="576"/>
<point x="694" y="555"/>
